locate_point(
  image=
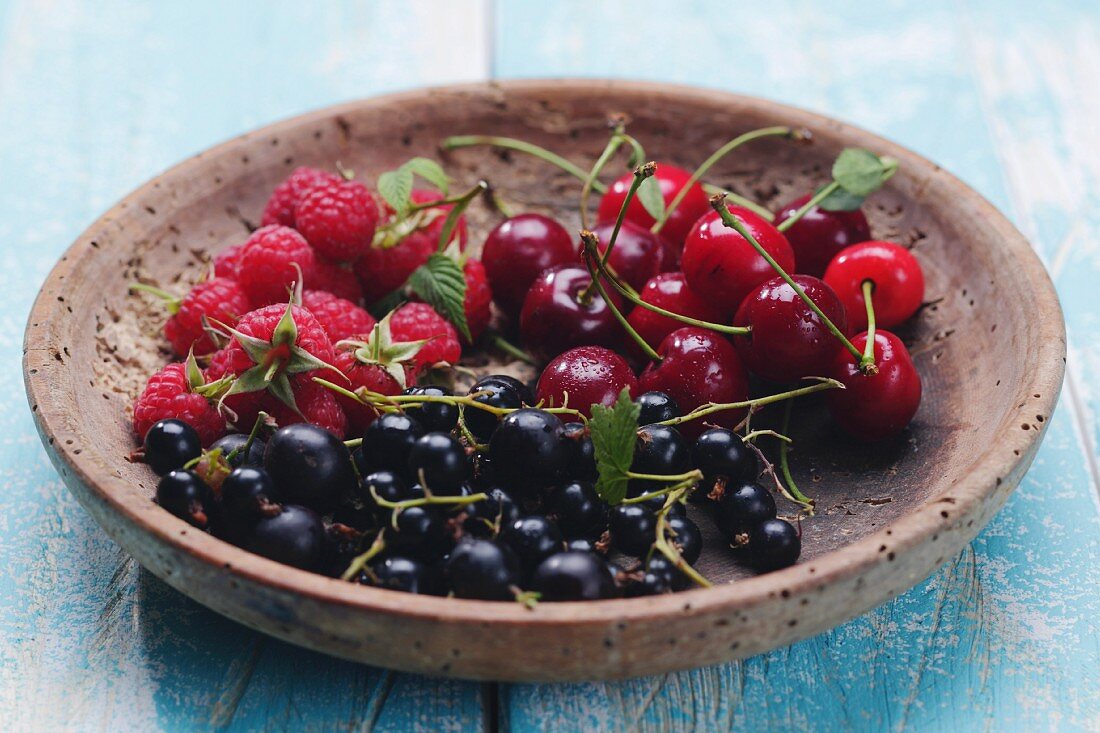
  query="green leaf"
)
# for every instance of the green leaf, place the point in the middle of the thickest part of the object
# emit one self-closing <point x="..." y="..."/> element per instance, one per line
<point x="840" y="200"/>
<point x="430" y="171"/>
<point x="649" y="193"/>
<point x="859" y="172"/>
<point x="396" y="188"/>
<point x="442" y="284"/>
<point x="614" y="433"/>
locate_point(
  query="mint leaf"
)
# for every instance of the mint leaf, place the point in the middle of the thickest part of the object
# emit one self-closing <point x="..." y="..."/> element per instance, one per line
<point x="442" y="284"/>
<point x="649" y="193"/>
<point x="396" y="188"/>
<point x="430" y="171"/>
<point x="614" y="432"/>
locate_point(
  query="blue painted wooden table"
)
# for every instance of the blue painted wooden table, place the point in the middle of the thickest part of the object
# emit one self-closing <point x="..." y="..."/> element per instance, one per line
<point x="97" y="97"/>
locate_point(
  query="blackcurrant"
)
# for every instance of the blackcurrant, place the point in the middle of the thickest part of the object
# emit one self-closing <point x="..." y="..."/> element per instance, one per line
<point x="486" y="518"/>
<point x="483" y="569"/>
<point x="773" y="544"/>
<point x="685" y="534"/>
<point x="723" y="457"/>
<point x="439" y="417"/>
<point x="579" y="457"/>
<point x="741" y="508"/>
<point x="387" y="442"/>
<point x="533" y="539"/>
<point x="660" y="450"/>
<point x="633" y="529"/>
<point x="185" y="495"/>
<point x="387" y="486"/>
<point x="170" y="444"/>
<point x="656" y="407"/>
<point x="249" y="493"/>
<point x="584" y="544"/>
<point x="499" y="391"/>
<point x="406" y="574"/>
<point x="573" y="576"/>
<point x="310" y="466"/>
<point x="579" y="510"/>
<point x="233" y="450"/>
<point x="527" y="450"/>
<point x="439" y="463"/>
<point x="294" y="536"/>
<point x="418" y="531"/>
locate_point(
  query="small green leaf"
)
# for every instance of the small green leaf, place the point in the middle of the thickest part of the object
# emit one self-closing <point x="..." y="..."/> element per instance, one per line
<point x="840" y="200"/>
<point x="859" y="172"/>
<point x="649" y="193"/>
<point x="442" y="284"/>
<point x="614" y="433"/>
<point x="430" y="171"/>
<point x="286" y="330"/>
<point x="396" y="188"/>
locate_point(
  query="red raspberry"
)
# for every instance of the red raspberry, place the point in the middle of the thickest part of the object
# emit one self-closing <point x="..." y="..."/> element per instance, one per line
<point x="367" y="374"/>
<point x="383" y="269"/>
<point x="316" y="405"/>
<point x="340" y="318"/>
<point x="311" y="337"/>
<point x="337" y="280"/>
<point x="284" y="199"/>
<point x="220" y="299"/>
<point x="228" y="261"/>
<point x="418" y="321"/>
<point x="267" y="269"/>
<point x="170" y="394"/>
<point x="478" y="298"/>
<point x="338" y="219"/>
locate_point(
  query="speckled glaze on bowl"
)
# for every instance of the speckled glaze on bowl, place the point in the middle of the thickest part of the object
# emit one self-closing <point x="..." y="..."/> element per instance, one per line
<point x="888" y="514"/>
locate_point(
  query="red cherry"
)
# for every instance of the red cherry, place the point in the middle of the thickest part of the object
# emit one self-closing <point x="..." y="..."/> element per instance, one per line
<point x="554" y="319"/>
<point x="898" y="279"/>
<point x="639" y="254"/>
<point x="589" y="375"/>
<point x="875" y="406"/>
<point x="788" y="340"/>
<point x="671" y="179"/>
<point x="698" y="366"/>
<point x="517" y="250"/>
<point x="721" y="265"/>
<point x="820" y="234"/>
<point x="670" y="291"/>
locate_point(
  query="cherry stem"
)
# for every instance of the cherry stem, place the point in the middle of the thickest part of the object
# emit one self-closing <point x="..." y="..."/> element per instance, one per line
<point x="740" y="200"/>
<point x="416" y="208"/>
<point x="785" y="467"/>
<point x="719" y="205"/>
<point x="867" y="363"/>
<point x="590" y="243"/>
<point x="360" y="561"/>
<point x="662" y="545"/>
<point x="640" y="174"/>
<point x="816" y="199"/>
<point x="609" y="151"/>
<point x="466" y="141"/>
<point x="460" y="205"/>
<point x="716" y="156"/>
<point x="503" y="344"/>
<point x="753" y="404"/>
<point x="498" y="203"/>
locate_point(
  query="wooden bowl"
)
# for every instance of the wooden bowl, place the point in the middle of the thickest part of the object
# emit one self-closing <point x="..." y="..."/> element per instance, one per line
<point x="990" y="350"/>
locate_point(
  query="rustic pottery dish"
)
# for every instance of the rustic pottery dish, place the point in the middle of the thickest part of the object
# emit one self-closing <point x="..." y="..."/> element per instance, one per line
<point x="888" y="515"/>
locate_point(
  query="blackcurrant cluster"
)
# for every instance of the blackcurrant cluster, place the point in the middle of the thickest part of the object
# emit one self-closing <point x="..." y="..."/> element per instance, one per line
<point x="495" y="500"/>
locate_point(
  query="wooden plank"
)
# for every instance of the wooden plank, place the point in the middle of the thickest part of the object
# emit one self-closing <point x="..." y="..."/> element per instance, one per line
<point x="1002" y="637"/>
<point x="94" y="99"/>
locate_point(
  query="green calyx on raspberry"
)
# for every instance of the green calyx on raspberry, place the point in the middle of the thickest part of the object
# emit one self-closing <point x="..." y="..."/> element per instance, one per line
<point x="197" y="382"/>
<point x="172" y="303"/>
<point x="381" y="350"/>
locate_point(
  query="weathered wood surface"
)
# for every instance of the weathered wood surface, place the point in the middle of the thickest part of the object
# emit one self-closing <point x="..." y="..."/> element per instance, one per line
<point x="94" y="98"/>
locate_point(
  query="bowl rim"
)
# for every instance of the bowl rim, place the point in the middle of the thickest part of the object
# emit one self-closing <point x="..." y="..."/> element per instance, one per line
<point x="1042" y="374"/>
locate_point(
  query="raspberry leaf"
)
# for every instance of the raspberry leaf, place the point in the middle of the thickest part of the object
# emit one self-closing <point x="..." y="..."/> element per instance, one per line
<point x="396" y="188"/>
<point x="430" y="171"/>
<point x="614" y="433"/>
<point x="442" y="284"/>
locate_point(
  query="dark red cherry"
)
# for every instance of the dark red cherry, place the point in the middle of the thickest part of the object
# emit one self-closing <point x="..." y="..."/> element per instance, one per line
<point x="517" y="250"/>
<point x="589" y="375"/>
<point x="639" y="254"/>
<point x="554" y="318"/>
<point x="875" y="406"/>
<point x="820" y="234"/>
<point x="721" y="266"/>
<point x="788" y="340"/>
<point x="698" y="366"/>
<point x="671" y="179"/>
<point x="670" y="291"/>
<point x="897" y="277"/>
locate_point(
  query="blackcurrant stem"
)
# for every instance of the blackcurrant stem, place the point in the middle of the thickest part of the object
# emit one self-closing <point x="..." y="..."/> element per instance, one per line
<point x="670" y="552"/>
<point x="716" y="156"/>
<point x="261" y="418"/>
<point x="688" y="484"/>
<point x="867" y="363"/>
<point x="609" y="151"/>
<point x="695" y="475"/>
<point x="590" y="241"/>
<point x="719" y="205"/>
<point x="360" y="561"/>
<point x="404" y="402"/>
<point x="640" y="174"/>
<point x="754" y="434"/>
<point x="502" y="344"/>
<point x="713" y="407"/>
<point x="816" y="199"/>
<point x="465" y="141"/>
<point x="353" y="443"/>
<point x="462" y="428"/>
<point x="785" y="467"/>
<point x="743" y="202"/>
<point x="425" y="500"/>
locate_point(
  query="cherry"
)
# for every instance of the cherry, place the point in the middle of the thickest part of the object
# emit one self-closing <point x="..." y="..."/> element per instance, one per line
<point x="670" y="291"/>
<point x="639" y="254"/>
<point x="671" y="179"/>
<point x="517" y="251"/>
<point x="820" y="234"/>
<point x="554" y="318"/>
<point x="875" y="406"/>
<point x="698" y="366"/>
<point x="788" y="340"/>
<point x="587" y="376"/>
<point x="721" y="266"/>
<point x="896" y="275"/>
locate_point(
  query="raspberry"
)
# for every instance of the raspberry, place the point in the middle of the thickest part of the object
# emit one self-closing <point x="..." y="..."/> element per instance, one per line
<point x="228" y="261"/>
<point x="382" y="270"/>
<point x="267" y="269"/>
<point x="316" y="405"/>
<point x="340" y="318"/>
<point x="478" y="298"/>
<point x="363" y="374"/>
<point x="339" y="281"/>
<point x="418" y="321"/>
<point x="311" y="336"/>
<point x="242" y="408"/>
<point x="284" y="199"/>
<point x="170" y="394"/>
<point x="338" y="219"/>
<point x="220" y="299"/>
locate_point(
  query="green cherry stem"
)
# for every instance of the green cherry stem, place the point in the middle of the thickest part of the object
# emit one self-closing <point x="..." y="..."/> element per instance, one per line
<point x="609" y="151"/>
<point x="502" y="344"/>
<point x="753" y="404"/>
<point x="716" y="156"/>
<point x="603" y="262"/>
<point x="740" y="200"/>
<point x="816" y="199"/>
<point x="360" y="561"/>
<point x="508" y="143"/>
<point x="719" y="205"/>
<point x="460" y="205"/>
<point x="590" y="244"/>
<point x="867" y="363"/>
<point x="784" y="464"/>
